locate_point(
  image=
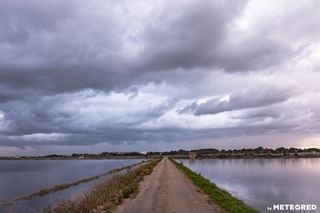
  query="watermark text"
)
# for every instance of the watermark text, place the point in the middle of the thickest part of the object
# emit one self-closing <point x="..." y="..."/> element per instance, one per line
<point x="292" y="207"/>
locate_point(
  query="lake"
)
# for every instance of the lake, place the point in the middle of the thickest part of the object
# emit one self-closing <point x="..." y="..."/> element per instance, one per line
<point x="264" y="182"/>
<point x="20" y="177"/>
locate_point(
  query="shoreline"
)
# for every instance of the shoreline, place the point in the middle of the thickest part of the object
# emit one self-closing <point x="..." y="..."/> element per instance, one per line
<point x="74" y="158"/>
<point x="106" y="196"/>
<point x="172" y="156"/>
<point x="221" y="197"/>
<point x="233" y="157"/>
<point x="63" y="186"/>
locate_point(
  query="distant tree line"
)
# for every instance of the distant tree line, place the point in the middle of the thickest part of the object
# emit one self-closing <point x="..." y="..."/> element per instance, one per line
<point x="200" y="153"/>
<point x="259" y="151"/>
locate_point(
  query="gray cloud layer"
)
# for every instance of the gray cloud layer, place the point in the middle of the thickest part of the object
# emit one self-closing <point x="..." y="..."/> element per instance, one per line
<point x="74" y="72"/>
<point x="240" y="100"/>
<point x="74" y="47"/>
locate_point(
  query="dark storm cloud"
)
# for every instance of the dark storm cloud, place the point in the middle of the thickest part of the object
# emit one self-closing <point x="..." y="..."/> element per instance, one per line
<point x="4" y="97"/>
<point x="162" y="135"/>
<point x="187" y="37"/>
<point x="55" y="81"/>
<point x="58" y="46"/>
<point x="196" y="36"/>
<point x="72" y="114"/>
<point x="240" y="100"/>
<point x="64" y="46"/>
<point x="20" y="19"/>
<point x="261" y="114"/>
<point x="53" y="51"/>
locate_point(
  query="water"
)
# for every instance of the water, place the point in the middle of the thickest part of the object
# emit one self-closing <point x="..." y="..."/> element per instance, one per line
<point x="20" y="177"/>
<point x="264" y="182"/>
<point x="38" y="203"/>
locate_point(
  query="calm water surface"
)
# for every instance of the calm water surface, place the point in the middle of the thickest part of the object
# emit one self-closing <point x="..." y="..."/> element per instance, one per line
<point x="264" y="182"/>
<point x="19" y="177"/>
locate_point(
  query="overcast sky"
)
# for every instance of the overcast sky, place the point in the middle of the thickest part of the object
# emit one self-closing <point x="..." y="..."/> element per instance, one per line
<point x="122" y="75"/>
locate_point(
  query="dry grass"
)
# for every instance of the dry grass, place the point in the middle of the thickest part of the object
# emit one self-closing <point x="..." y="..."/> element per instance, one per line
<point x="107" y="195"/>
<point x="67" y="185"/>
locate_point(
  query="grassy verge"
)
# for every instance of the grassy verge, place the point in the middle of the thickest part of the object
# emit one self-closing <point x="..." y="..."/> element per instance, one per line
<point x="67" y="185"/>
<point x="63" y="186"/>
<point x="221" y="197"/>
<point x="105" y="196"/>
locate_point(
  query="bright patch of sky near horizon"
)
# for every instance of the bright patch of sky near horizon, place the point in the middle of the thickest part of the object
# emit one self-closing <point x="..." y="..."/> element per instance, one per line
<point x="79" y="76"/>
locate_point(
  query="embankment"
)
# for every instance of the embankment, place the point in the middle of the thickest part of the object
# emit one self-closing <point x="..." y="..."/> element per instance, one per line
<point x="219" y="196"/>
<point x="105" y="196"/>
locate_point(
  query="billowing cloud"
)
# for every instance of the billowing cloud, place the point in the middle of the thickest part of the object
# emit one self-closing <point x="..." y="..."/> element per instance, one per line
<point x="143" y="73"/>
<point x="240" y="100"/>
<point x="199" y="35"/>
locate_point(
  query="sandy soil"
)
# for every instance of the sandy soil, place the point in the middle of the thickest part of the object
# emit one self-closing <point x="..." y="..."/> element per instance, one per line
<point x="167" y="189"/>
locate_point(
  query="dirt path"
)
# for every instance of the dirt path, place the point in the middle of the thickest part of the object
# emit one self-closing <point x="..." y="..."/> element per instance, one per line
<point x="167" y="189"/>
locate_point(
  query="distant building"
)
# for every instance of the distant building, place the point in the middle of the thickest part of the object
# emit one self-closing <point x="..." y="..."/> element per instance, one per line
<point x="192" y="155"/>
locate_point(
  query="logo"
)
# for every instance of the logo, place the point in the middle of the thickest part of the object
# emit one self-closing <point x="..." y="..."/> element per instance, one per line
<point x="292" y="207"/>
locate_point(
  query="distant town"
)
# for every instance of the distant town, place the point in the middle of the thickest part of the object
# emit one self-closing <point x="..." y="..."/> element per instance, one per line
<point x="258" y="152"/>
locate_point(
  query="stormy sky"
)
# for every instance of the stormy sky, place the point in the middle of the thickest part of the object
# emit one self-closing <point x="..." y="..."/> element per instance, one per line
<point x="124" y="75"/>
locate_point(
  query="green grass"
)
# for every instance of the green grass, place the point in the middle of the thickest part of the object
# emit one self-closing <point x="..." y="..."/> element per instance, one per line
<point x="221" y="197"/>
<point x="105" y="196"/>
